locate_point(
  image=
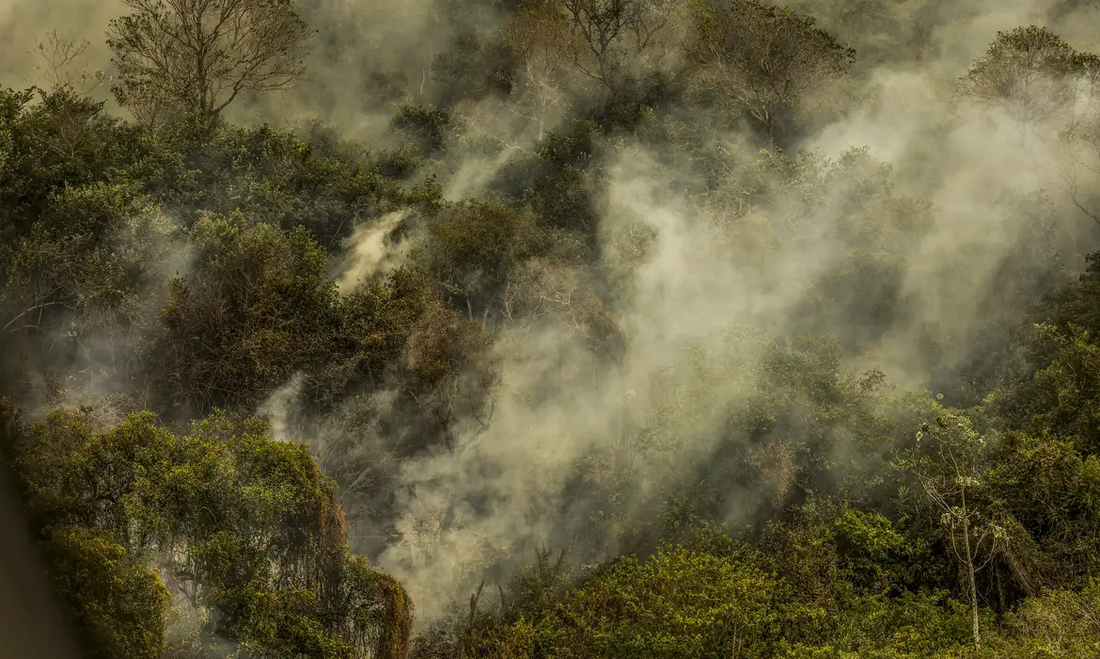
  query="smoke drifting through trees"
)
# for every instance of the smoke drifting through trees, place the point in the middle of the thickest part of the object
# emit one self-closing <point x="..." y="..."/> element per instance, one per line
<point x="563" y="290"/>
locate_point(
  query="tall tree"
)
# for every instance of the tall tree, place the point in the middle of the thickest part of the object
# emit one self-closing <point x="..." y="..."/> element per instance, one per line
<point x="1028" y="72"/>
<point x="533" y="38"/>
<point x="609" y="42"/>
<point x="950" y="464"/>
<point x="1038" y="80"/>
<point x="762" y="59"/>
<point x="198" y="56"/>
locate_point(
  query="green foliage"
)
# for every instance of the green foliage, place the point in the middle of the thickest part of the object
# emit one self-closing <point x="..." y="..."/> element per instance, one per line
<point x="256" y="307"/>
<point x="65" y="140"/>
<point x="119" y="604"/>
<point x="1061" y="391"/>
<point x="426" y="126"/>
<point x="764" y="492"/>
<point x="911" y="626"/>
<point x="378" y="320"/>
<point x="555" y="180"/>
<point x="270" y="175"/>
<point x="472" y="248"/>
<point x="875" y="556"/>
<point x="688" y="603"/>
<point x="233" y="520"/>
<point x="1058" y="624"/>
<point x="675" y="604"/>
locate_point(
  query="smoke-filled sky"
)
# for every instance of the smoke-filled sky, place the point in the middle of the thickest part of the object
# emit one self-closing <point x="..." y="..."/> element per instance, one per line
<point x="556" y="404"/>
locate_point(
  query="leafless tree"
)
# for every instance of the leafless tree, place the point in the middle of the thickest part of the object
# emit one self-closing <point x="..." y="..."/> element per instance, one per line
<point x="615" y="34"/>
<point x="197" y="56"/>
<point x="535" y="39"/>
<point x="59" y="55"/>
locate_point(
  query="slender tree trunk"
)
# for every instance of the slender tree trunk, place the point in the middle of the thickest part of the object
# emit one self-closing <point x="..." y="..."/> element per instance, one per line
<point x="970" y="574"/>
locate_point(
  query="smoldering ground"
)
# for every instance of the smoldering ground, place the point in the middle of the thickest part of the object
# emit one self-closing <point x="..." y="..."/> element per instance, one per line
<point x="688" y="268"/>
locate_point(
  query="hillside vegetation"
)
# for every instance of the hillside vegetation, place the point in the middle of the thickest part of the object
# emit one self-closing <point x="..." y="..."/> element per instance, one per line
<point x="561" y="328"/>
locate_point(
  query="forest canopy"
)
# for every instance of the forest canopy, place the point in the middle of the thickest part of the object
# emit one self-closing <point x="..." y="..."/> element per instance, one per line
<point x="557" y="328"/>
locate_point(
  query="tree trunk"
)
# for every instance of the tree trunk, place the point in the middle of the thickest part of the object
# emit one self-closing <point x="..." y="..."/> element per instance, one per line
<point x="970" y="574"/>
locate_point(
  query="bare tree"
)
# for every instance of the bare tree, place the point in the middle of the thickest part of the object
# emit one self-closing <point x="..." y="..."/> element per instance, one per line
<point x="197" y="56"/>
<point x="761" y="59"/>
<point x="60" y="54"/>
<point x="615" y="34"/>
<point x="535" y="38"/>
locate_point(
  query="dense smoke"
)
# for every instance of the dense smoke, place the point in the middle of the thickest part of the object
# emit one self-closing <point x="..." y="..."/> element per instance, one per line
<point x="555" y="407"/>
<point x="676" y="278"/>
